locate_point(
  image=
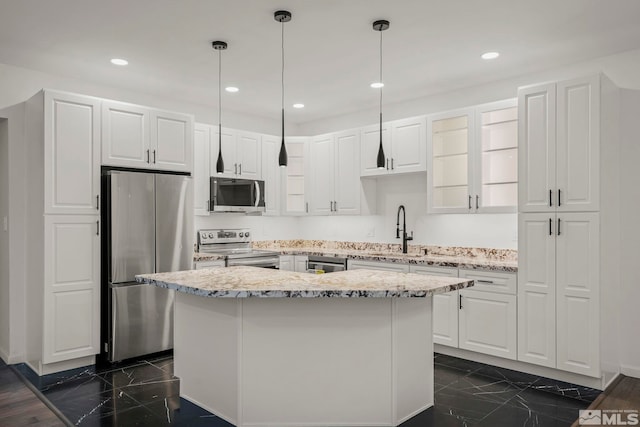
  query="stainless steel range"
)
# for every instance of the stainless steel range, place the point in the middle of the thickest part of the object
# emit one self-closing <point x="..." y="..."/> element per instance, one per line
<point x="235" y="246"/>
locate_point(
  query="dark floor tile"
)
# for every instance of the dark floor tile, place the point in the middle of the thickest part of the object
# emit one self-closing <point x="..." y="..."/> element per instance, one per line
<point x="549" y="405"/>
<point x="147" y="392"/>
<point x="454" y="362"/>
<point x="182" y="413"/>
<point x="485" y="388"/>
<point x="573" y="391"/>
<point x="521" y="379"/>
<point x="166" y="364"/>
<point x="47" y="382"/>
<point x="433" y="417"/>
<point x="135" y="374"/>
<point x="510" y="416"/>
<point x="444" y="376"/>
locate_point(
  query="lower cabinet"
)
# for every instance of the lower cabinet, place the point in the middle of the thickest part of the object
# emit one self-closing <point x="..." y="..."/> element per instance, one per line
<point x="377" y="265"/>
<point x="71" y="305"/>
<point x="487" y="323"/>
<point x="287" y="263"/>
<point x="301" y="263"/>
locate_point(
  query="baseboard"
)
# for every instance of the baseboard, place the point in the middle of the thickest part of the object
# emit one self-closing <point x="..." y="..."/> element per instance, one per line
<point x="413" y="414"/>
<point x="630" y="371"/>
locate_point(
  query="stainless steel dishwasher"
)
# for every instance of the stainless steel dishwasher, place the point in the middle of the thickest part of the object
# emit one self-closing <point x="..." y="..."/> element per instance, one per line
<point x="326" y="264"/>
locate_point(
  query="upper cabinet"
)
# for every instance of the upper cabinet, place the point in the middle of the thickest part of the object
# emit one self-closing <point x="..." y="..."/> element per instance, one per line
<point x="271" y="174"/>
<point x="560" y="146"/>
<point x="404" y="144"/>
<point x="139" y="137"/>
<point x="201" y="147"/>
<point x="241" y="153"/>
<point x="473" y="159"/>
<point x="295" y="177"/>
<point x="71" y="153"/>
<point x="335" y="174"/>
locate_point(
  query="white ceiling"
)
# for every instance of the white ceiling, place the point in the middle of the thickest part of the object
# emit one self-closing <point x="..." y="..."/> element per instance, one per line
<point x="331" y="49"/>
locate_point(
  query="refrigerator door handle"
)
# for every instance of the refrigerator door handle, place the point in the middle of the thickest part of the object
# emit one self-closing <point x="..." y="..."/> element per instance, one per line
<point x="257" y="187"/>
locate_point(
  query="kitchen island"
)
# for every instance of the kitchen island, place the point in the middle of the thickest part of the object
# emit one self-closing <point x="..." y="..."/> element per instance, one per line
<point x="261" y="347"/>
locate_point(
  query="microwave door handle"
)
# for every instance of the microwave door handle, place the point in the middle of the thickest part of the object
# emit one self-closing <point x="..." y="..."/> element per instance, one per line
<point x="257" y="186"/>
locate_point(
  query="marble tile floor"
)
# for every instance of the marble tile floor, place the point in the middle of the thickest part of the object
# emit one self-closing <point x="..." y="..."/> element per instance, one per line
<point x="145" y="393"/>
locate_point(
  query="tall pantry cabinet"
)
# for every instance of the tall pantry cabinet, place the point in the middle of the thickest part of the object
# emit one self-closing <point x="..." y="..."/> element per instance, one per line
<point x="568" y="147"/>
<point x="62" y="133"/>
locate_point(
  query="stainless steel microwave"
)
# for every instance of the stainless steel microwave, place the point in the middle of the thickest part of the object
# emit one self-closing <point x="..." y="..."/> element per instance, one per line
<point x="236" y="195"/>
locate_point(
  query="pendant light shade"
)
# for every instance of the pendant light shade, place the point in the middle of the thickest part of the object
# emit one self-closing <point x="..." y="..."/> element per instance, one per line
<point x="380" y="25"/>
<point x="282" y="16"/>
<point x="219" y="46"/>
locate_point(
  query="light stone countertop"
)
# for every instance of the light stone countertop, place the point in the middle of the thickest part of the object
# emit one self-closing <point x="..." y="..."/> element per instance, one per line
<point x="244" y="282"/>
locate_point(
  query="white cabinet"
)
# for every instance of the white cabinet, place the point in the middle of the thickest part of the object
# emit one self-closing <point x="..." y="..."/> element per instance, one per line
<point x="271" y="174"/>
<point x="335" y="180"/>
<point x="560" y="146"/>
<point x="140" y="137"/>
<point x="287" y="263"/>
<point x="201" y="147"/>
<point x="488" y="323"/>
<point x="445" y="306"/>
<point x="240" y="152"/>
<point x="71" y="311"/>
<point x="71" y="154"/>
<point x="404" y="144"/>
<point x="301" y="263"/>
<point x="296" y="178"/>
<point x="377" y="265"/>
<point x="473" y="161"/>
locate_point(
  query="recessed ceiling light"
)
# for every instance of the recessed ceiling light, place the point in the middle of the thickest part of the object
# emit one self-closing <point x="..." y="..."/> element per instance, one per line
<point x="490" y="55"/>
<point x="231" y="89"/>
<point x="377" y="85"/>
<point x="298" y="105"/>
<point x="119" y="61"/>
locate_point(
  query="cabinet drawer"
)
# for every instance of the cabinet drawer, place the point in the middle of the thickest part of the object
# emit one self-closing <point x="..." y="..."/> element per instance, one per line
<point x="434" y="270"/>
<point x="200" y="265"/>
<point x="377" y="265"/>
<point x="492" y="281"/>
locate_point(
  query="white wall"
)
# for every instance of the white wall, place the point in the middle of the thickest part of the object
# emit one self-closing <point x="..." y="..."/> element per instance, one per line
<point x="19" y="84"/>
<point x="4" y="240"/>
<point x="629" y="295"/>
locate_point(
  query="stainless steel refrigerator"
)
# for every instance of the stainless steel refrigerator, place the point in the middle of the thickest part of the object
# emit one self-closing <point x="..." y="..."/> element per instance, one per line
<point x="149" y="229"/>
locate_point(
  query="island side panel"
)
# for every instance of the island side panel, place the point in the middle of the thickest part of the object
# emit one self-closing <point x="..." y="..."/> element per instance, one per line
<point x="317" y="362"/>
<point x="206" y="339"/>
<point x="412" y="356"/>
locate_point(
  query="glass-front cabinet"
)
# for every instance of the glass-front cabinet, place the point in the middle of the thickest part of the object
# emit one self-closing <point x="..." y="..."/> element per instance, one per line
<point x="473" y="159"/>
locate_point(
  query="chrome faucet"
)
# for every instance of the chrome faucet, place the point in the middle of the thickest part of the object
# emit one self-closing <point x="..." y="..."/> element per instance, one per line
<point x="405" y="238"/>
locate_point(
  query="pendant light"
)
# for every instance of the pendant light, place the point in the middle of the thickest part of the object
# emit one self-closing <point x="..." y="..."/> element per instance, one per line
<point x="282" y="16"/>
<point x="219" y="46"/>
<point x="380" y="26"/>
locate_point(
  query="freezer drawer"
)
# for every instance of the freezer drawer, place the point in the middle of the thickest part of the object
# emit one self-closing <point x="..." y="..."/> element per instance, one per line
<point x="141" y="321"/>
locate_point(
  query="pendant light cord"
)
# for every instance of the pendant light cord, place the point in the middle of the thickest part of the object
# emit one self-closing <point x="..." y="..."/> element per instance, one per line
<point x="381" y="76"/>
<point x="220" y="97"/>
<point x="282" y="78"/>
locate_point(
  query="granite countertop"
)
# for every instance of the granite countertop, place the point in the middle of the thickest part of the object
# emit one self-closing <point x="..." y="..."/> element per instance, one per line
<point x="243" y="282"/>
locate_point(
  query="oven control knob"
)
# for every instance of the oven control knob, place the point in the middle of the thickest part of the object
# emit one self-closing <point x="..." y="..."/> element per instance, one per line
<point x="241" y="234"/>
<point x="211" y="235"/>
<point x="246" y="234"/>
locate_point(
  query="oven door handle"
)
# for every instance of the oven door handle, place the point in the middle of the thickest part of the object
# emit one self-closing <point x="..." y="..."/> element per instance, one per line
<point x="257" y="187"/>
<point x="312" y="264"/>
<point x="270" y="262"/>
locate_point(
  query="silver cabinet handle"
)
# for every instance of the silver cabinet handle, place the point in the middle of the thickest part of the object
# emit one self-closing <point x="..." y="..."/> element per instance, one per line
<point x="257" y="186"/>
<point x="98" y="202"/>
<point x="387" y="164"/>
<point x="392" y="163"/>
<point x="488" y="282"/>
<point x="559" y="226"/>
<point x="240" y="168"/>
<point x="460" y="302"/>
<point x="469" y="201"/>
<point x="235" y="168"/>
<point x="550" y="197"/>
<point x="550" y="226"/>
<point x="154" y="157"/>
<point x="147" y="156"/>
<point x="335" y="206"/>
<point x="97" y="228"/>
<point x="477" y="201"/>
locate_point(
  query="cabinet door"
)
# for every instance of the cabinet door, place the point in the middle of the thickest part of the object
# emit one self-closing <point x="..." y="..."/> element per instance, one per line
<point x="301" y="263"/>
<point x="491" y="281"/>
<point x="347" y="173"/>
<point x="228" y="145"/>
<point x="445" y="306"/>
<point x="537" y="289"/>
<point x="171" y="141"/>
<point x="496" y="157"/>
<point x="296" y="177"/>
<point x="537" y="148"/>
<point x="201" y="145"/>
<point x="125" y="135"/>
<point x="248" y="155"/>
<point x="578" y="145"/>
<point x="409" y="145"/>
<point x="286" y="263"/>
<point x="578" y="282"/>
<point x="377" y="265"/>
<point x="322" y="175"/>
<point x="71" y="154"/>
<point x="271" y="174"/>
<point x="449" y="155"/>
<point x="369" y="145"/>
<point x="488" y="323"/>
<point x="71" y="287"/>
